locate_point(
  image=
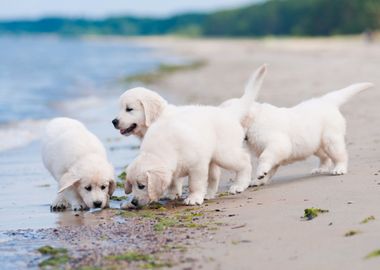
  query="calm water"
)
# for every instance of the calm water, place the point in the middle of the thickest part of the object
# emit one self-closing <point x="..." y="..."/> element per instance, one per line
<point x="41" y="78"/>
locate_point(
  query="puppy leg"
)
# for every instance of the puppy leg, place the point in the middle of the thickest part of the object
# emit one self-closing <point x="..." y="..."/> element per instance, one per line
<point x="197" y="185"/>
<point x="175" y="189"/>
<point x="213" y="181"/>
<point x="75" y="201"/>
<point x="335" y="147"/>
<point x="266" y="179"/>
<point x="237" y="160"/>
<point x="325" y="162"/>
<point x="59" y="203"/>
<point x="269" y="160"/>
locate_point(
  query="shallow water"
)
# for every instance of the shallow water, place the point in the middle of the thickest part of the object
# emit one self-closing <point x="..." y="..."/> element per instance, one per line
<point x="26" y="188"/>
<point x="42" y="77"/>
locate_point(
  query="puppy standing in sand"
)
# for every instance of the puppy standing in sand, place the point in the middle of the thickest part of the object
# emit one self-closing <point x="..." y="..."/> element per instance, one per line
<point x="78" y="162"/>
<point x="280" y="136"/>
<point x="140" y="108"/>
<point x="185" y="143"/>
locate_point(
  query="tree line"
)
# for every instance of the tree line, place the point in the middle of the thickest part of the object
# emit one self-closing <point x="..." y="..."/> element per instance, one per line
<point x="272" y="17"/>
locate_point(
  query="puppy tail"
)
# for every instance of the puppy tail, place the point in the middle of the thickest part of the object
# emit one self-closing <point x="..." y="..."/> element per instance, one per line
<point x="339" y="97"/>
<point x="253" y="86"/>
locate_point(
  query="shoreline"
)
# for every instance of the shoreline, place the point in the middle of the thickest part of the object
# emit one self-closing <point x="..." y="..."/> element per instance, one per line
<point x="262" y="226"/>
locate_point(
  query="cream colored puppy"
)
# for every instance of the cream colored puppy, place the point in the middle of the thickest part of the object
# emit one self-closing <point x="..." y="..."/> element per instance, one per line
<point x="78" y="162"/>
<point x="185" y="143"/>
<point x="280" y="136"/>
<point x="141" y="107"/>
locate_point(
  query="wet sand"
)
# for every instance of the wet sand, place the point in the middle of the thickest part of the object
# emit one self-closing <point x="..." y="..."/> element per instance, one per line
<point x="261" y="228"/>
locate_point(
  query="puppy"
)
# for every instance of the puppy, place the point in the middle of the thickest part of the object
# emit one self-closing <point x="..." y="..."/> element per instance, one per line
<point x="280" y="136"/>
<point x="185" y="143"/>
<point x="141" y="107"/>
<point x="78" y="162"/>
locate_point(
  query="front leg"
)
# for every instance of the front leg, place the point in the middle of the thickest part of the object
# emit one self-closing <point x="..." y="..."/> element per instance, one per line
<point x="59" y="203"/>
<point x="266" y="179"/>
<point x="74" y="200"/>
<point x="197" y="185"/>
<point x="269" y="161"/>
<point x="175" y="189"/>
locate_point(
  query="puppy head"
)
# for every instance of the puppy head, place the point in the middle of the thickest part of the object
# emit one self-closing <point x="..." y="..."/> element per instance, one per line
<point x="147" y="180"/>
<point x="139" y="108"/>
<point x="93" y="182"/>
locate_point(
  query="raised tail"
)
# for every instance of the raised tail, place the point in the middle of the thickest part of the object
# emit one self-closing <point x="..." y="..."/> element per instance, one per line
<point x="253" y="86"/>
<point x="339" y="97"/>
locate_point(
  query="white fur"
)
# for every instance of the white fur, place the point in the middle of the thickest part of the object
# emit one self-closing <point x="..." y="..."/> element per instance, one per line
<point x="77" y="159"/>
<point x="279" y="136"/>
<point x="189" y="142"/>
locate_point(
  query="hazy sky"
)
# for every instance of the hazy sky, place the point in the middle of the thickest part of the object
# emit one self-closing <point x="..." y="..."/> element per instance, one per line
<point x="11" y="9"/>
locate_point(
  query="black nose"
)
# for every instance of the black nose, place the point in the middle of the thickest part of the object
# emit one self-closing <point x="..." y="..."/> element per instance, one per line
<point x="97" y="204"/>
<point x="135" y="202"/>
<point x="115" y="123"/>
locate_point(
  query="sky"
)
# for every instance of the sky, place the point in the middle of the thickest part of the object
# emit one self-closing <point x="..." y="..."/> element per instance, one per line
<point x="17" y="9"/>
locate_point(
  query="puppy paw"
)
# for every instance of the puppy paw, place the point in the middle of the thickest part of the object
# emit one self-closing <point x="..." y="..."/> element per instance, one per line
<point x="59" y="205"/>
<point x="236" y="189"/>
<point x="339" y="170"/>
<point x="194" y="199"/>
<point x="210" y="195"/>
<point x="256" y="183"/>
<point x="320" y="171"/>
<point x="79" y="207"/>
<point x="262" y="175"/>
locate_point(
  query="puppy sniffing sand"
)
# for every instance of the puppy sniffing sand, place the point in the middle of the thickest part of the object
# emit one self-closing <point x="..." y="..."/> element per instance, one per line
<point x="78" y="162"/>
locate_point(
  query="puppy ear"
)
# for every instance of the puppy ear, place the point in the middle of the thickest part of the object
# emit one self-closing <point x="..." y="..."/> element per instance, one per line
<point x="158" y="182"/>
<point x="153" y="107"/>
<point x="111" y="187"/>
<point x="127" y="187"/>
<point x="66" y="181"/>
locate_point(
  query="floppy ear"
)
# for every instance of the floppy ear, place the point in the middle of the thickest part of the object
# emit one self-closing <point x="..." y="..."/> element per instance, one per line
<point x="153" y="107"/>
<point x="111" y="187"/>
<point x="66" y="181"/>
<point x="127" y="187"/>
<point x="158" y="182"/>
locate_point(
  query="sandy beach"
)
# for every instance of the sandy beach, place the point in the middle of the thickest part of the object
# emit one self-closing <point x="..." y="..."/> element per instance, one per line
<point x="261" y="228"/>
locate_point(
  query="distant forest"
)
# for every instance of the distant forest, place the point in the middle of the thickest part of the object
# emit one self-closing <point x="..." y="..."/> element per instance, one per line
<point x="272" y="17"/>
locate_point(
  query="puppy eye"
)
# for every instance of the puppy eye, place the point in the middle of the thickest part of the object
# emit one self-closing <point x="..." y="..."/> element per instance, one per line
<point x="88" y="188"/>
<point x="140" y="186"/>
<point x="128" y="109"/>
<point x="103" y="187"/>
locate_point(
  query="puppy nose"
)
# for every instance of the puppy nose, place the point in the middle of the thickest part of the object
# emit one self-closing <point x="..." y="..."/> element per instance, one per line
<point x="97" y="204"/>
<point x="135" y="202"/>
<point x="115" y="123"/>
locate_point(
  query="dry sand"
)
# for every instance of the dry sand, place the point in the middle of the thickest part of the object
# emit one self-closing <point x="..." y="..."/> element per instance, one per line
<point x="262" y="228"/>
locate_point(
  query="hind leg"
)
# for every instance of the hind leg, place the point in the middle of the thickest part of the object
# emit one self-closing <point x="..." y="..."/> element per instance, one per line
<point x="237" y="160"/>
<point x="325" y="162"/>
<point x="335" y="148"/>
<point x="213" y="181"/>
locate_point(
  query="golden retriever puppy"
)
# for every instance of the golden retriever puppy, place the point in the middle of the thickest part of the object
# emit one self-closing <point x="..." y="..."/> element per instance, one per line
<point x="78" y="162"/>
<point x="185" y="143"/>
<point x="280" y="136"/>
